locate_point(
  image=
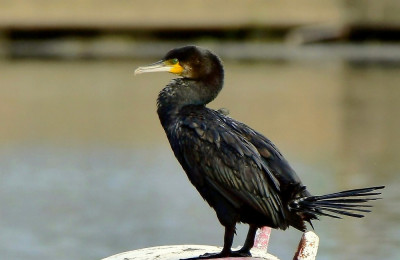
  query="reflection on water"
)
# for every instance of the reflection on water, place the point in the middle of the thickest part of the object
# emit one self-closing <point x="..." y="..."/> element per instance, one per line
<point x="86" y="170"/>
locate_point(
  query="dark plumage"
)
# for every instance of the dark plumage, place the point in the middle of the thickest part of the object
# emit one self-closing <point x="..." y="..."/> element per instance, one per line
<point x="238" y="171"/>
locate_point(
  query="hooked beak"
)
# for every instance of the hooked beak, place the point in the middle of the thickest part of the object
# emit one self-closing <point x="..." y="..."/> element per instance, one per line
<point x="160" y="66"/>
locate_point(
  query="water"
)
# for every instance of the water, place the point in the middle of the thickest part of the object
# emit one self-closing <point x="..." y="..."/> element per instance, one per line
<point x="86" y="170"/>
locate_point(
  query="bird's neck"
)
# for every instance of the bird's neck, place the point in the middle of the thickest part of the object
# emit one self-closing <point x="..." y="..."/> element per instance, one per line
<point x="183" y="92"/>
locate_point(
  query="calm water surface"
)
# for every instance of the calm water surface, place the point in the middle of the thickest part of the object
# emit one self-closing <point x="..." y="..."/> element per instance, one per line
<point x="86" y="170"/>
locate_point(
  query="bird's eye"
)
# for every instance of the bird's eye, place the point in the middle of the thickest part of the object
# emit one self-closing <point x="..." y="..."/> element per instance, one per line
<point x="174" y="61"/>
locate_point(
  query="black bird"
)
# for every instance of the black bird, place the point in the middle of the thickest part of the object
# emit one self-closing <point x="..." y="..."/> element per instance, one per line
<point x="238" y="171"/>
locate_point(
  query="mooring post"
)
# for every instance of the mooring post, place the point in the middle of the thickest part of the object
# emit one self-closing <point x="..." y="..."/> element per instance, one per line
<point x="307" y="250"/>
<point x="308" y="247"/>
<point x="262" y="238"/>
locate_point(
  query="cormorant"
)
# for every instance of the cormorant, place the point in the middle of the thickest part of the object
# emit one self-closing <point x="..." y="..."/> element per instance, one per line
<point x="238" y="171"/>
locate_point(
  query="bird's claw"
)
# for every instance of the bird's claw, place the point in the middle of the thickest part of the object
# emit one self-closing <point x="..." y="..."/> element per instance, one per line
<point x="239" y="253"/>
<point x="206" y="256"/>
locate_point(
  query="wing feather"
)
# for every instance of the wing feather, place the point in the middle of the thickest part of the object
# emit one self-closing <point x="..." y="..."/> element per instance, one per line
<point x="231" y="164"/>
<point x="274" y="162"/>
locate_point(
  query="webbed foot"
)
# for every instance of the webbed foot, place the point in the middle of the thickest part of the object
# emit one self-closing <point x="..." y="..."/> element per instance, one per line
<point x="239" y="253"/>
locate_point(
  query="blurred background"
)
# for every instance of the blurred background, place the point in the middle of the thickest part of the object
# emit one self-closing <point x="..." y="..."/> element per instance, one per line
<point x="86" y="170"/>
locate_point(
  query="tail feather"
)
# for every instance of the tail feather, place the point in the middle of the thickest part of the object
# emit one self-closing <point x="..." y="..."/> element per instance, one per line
<point x="312" y="212"/>
<point x="336" y="204"/>
<point x="346" y="207"/>
<point x="350" y="193"/>
<point x="348" y="201"/>
<point x="342" y="212"/>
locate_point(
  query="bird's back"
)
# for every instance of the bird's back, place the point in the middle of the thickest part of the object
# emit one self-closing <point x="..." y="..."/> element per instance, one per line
<point x="275" y="161"/>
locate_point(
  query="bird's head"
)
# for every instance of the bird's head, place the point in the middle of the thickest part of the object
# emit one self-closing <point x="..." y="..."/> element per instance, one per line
<point x="190" y="62"/>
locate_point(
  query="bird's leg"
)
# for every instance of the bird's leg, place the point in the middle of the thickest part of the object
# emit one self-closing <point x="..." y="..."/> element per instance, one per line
<point x="248" y="244"/>
<point x="226" y="250"/>
<point x="228" y="240"/>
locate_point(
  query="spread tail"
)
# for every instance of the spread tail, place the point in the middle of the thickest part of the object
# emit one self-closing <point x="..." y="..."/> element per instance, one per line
<point x="348" y="203"/>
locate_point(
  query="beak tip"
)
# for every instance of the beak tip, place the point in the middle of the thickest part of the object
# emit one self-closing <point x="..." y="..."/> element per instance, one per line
<point x="159" y="66"/>
<point x="136" y="72"/>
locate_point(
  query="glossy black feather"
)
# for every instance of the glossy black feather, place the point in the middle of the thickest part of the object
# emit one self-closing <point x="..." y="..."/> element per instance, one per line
<point x="341" y="203"/>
